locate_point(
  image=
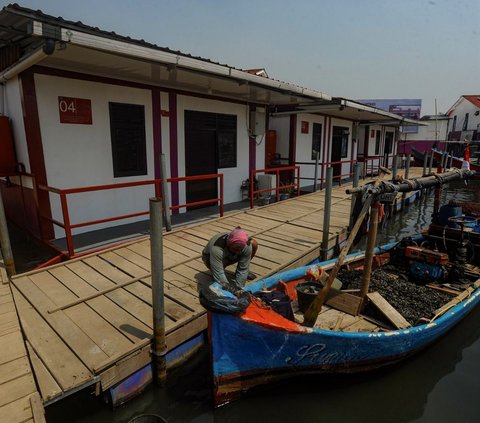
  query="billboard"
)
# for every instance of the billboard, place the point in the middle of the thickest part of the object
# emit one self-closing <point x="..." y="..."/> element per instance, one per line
<point x="407" y="108"/>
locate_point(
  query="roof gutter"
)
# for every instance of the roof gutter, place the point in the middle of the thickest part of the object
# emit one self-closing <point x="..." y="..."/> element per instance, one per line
<point x="394" y="117"/>
<point x="36" y="57"/>
<point x="364" y="107"/>
<point x="83" y="39"/>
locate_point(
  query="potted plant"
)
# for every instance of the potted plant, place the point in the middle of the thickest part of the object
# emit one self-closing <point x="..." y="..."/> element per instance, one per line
<point x="286" y="191"/>
<point x="265" y="199"/>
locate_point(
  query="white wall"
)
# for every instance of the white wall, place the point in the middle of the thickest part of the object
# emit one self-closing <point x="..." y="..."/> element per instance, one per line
<point x="260" y="142"/>
<point x="346" y="167"/>
<point x="233" y="177"/>
<point x="79" y="155"/>
<point x="304" y="143"/>
<point x="13" y="109"/>
<point x="427" y="133"/>
<point x="463" y="107"/>
<point x="371" y="140"/>
<point x="304" y="147"/>
<point x="361" y="140"/>
<point x="281" y="124"/>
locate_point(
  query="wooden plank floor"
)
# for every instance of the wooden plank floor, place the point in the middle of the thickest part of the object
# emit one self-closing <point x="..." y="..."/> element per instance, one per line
<point x="89" y="320"/>
<point x="20" y="401"/>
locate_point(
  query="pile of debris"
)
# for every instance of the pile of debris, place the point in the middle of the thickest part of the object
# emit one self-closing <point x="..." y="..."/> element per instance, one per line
<point x="411" y="300"/>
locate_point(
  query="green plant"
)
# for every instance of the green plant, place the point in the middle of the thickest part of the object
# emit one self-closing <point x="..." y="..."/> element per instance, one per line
<point x="287" y="188"/>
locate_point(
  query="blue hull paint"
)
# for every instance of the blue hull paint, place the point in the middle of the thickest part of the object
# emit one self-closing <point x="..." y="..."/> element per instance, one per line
<point x="241" y="347"/>
<point x="243" y="350"/>
<point x="134" y="384"/>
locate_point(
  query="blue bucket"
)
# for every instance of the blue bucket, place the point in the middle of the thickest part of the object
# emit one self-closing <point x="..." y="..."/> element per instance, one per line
<point x="447" y="211"/>
<point x="469" y="222"/>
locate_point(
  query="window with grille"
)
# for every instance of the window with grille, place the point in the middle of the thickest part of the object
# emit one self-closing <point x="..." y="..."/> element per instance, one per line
<point x="127" y="128"/>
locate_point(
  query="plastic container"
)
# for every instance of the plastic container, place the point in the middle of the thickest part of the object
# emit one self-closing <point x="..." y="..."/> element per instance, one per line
<point x="306" y="293"/>
<point x="469" y="222"/>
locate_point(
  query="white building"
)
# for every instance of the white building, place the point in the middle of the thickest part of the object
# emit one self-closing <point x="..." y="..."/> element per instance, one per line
<point x="91" y="110"/>
<point x="434" y="133"/>
<point x="342" y="131"/>
<point x="465" y="118"/>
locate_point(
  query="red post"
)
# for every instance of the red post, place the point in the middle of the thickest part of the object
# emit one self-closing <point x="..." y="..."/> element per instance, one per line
<point x="251" y="187"/>
<point x="66" y="223"/>
<point x="277" y="188"/>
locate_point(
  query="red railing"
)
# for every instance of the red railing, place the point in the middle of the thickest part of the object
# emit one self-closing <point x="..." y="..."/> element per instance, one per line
<point x="68" y="226"/>
<point x="371" y="165"/>
<point x="278" y="186"/>
<point x="321" y="177"/>
<point x="340" y="175"/>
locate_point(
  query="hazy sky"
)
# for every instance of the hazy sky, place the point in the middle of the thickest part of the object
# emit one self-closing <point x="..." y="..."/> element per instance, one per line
<point x="428" y="49"/>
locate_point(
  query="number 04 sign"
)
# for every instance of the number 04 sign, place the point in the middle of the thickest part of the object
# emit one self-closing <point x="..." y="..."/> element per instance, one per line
<point x="75" y="110"/>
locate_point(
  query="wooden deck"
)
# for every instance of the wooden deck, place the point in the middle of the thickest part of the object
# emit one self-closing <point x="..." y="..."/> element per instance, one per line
<point x="89" y="321"/>
<point x="19" y="398"/>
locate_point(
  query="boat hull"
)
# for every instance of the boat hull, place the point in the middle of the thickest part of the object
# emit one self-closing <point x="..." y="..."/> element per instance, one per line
<point x="260" y="346"/>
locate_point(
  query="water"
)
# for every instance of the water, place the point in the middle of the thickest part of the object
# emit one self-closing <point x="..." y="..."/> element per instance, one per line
<point x="418" y="216"/>
<point x="440" y="384"/>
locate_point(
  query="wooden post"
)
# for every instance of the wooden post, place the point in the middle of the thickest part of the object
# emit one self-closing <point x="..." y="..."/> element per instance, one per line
<point x="326" y="213"/>
<point x="430" y="163"/>
<point x="159" y="349"/>
<point x="443" y="162"/>
<point x="407" y="166"/>
<point x="5" y="245"/>
<point x="356" y="177"/>
<point x="394" y="166"/>
<point x="436" y="203"/>
<point x="310" y="316"/>
<point x="425" y="163"/>
<point x="407" y="171"/>
<point x="371" y="238"/>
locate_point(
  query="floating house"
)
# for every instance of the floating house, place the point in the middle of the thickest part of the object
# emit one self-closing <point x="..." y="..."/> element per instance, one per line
<point x="92" y="120"/>
<point x="342" y="131"/>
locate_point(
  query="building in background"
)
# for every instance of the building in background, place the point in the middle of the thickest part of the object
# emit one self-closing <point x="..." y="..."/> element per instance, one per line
<point x="342" y="131"/>
<point x="465" y="119"/>
<point x="464" y="126"/>
<point x="433" y="134"/>
<point x="407" y="108"/>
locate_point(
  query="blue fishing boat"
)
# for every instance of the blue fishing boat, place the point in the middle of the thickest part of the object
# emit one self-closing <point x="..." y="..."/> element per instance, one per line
<point x="259" y="345"/>
<point x="356" y="313"/>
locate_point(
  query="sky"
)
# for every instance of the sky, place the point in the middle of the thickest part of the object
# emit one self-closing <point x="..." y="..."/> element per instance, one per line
<point x="370" y="49"/>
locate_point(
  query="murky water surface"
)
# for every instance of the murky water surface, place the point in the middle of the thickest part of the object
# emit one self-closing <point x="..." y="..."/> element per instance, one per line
<point x="439" y="385"/>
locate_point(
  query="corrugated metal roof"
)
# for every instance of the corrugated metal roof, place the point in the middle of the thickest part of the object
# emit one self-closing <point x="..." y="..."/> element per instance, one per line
<point x="21" y="14"/>
<point x="14" y="20"/>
